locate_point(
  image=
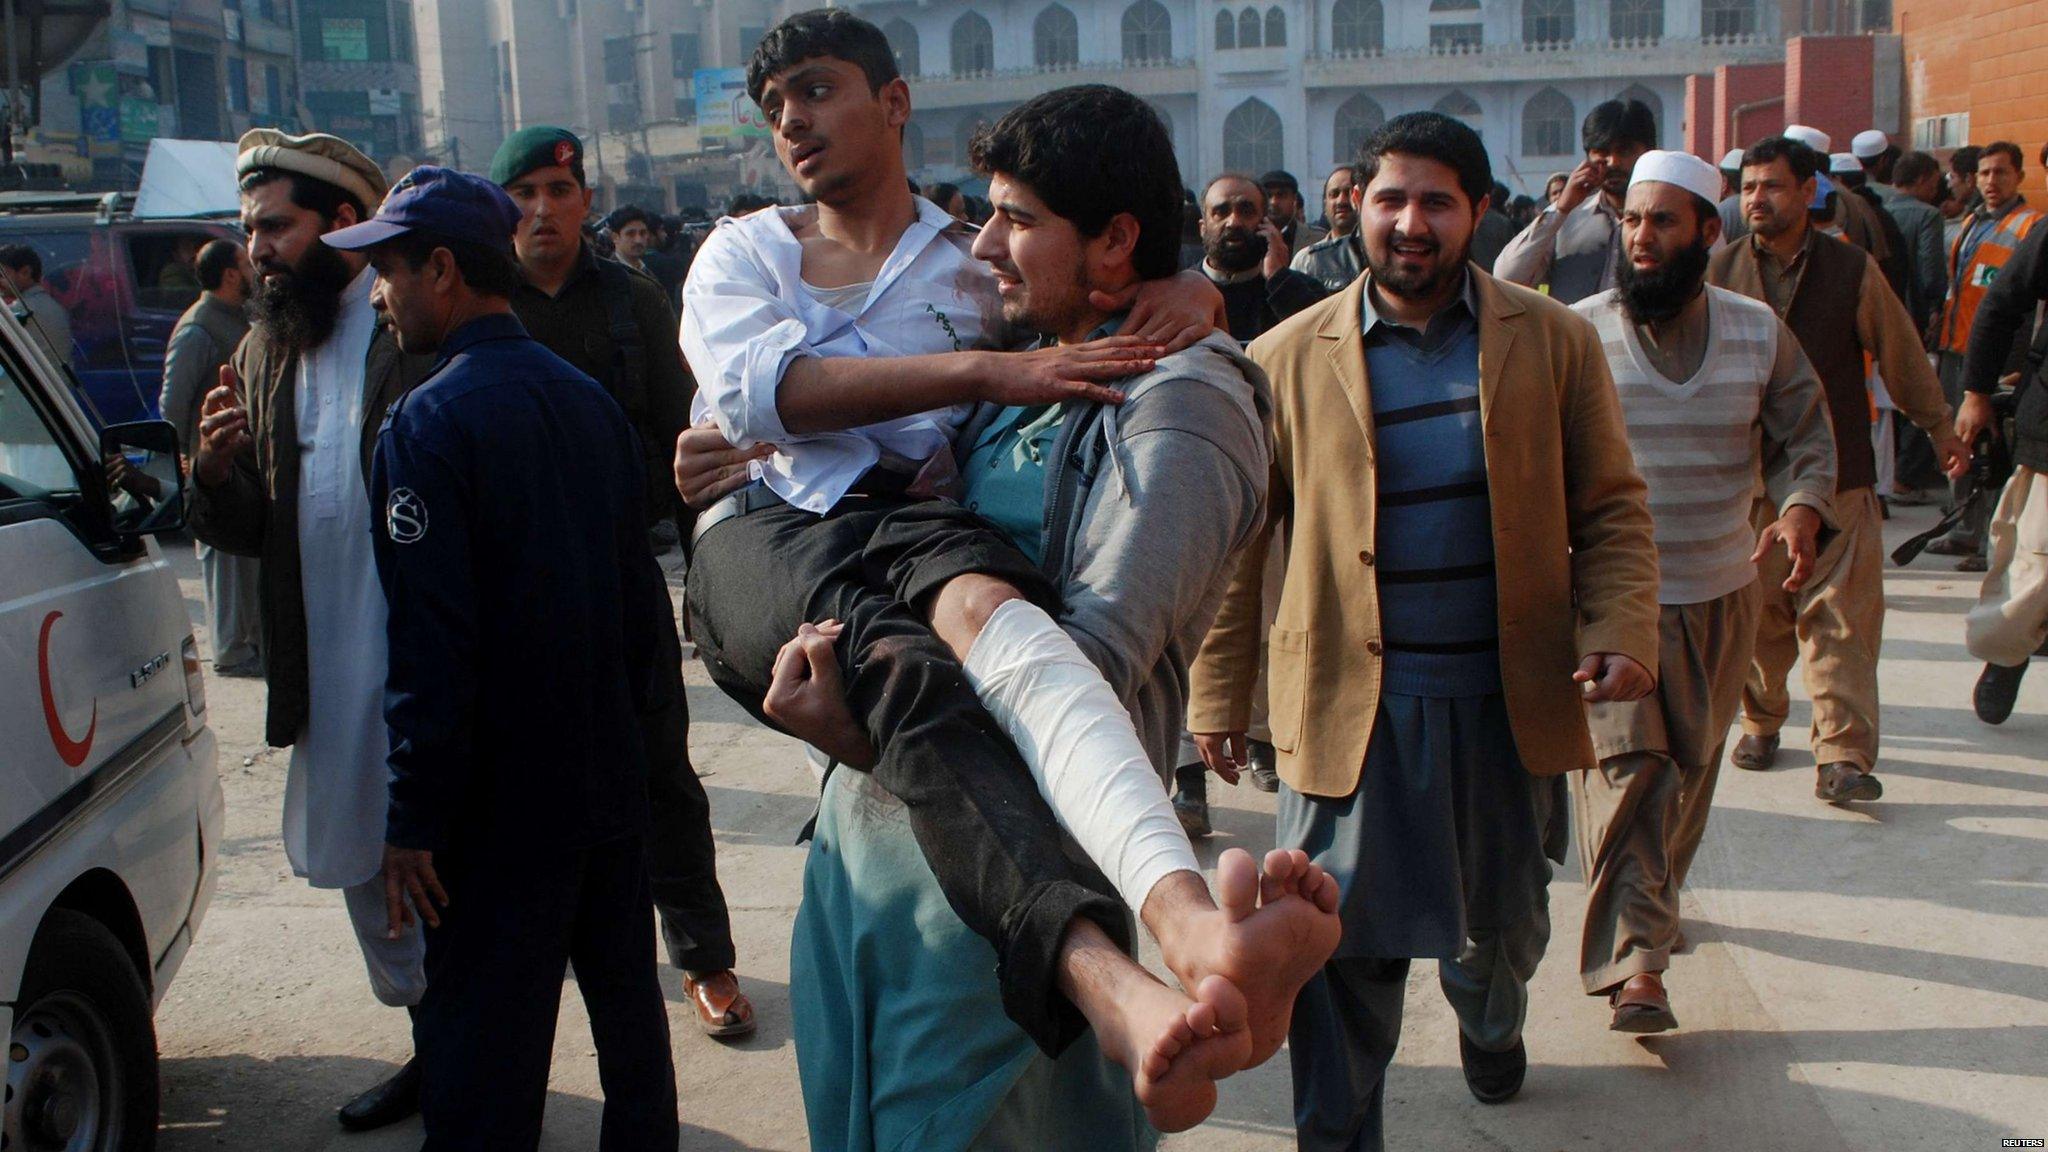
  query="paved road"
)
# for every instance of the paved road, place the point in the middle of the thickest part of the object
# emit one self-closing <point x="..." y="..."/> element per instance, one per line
<point x="1867" y="979"/>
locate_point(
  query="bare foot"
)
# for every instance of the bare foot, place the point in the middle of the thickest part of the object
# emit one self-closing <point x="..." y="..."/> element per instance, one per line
<point x="1289" y="872"/>
<point x="1267" y="934"/>
<point x="1175" y="1048"/>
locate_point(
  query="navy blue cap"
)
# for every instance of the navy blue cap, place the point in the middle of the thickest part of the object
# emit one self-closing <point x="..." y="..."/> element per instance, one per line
<point x="452" y="205"/>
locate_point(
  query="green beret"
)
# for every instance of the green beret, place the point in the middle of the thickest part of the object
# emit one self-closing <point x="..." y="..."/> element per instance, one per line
<point x="541" y="146"/>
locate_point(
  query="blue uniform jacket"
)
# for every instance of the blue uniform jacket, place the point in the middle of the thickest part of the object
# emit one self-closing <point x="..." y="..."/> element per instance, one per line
<point x="524" y="602"/>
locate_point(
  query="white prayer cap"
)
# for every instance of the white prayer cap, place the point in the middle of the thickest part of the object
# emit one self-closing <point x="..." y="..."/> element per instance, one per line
<point x="1869" y="144"/>
<point x="1813" y="138"/>
<point x="1684" y="169"/>
<point x="1732" y="162"/>
<point x="1846" y="164"/>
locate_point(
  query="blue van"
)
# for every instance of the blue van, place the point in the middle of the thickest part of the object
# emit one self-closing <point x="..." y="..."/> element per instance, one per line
<point x="125" y="282"/>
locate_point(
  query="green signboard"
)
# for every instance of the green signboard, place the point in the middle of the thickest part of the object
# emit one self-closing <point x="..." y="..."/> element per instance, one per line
<point x="344" y="38"/>
<point x="139" y="119"/>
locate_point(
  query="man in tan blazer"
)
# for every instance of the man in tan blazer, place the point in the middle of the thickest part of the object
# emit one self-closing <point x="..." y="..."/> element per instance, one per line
<point x="1469" y="555"/>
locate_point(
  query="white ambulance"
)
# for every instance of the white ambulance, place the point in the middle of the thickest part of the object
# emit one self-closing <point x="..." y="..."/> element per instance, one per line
<point x="110" y="807"/>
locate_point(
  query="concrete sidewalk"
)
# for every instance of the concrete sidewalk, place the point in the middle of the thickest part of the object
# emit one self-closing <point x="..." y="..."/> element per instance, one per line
<point x="1873" y="978"/>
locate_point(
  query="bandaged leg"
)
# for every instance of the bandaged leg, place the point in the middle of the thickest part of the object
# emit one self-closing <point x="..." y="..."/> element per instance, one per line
<point x="1081" y="746"/>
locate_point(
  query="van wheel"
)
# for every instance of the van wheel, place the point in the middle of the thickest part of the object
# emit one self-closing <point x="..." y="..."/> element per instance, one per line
<point x="81" y="1062"/>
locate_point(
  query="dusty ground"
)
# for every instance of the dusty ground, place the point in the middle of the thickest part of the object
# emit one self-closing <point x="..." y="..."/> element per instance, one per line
<point x="1867" y="979"/>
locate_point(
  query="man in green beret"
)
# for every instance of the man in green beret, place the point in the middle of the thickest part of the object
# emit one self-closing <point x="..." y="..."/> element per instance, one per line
<point x="616" y="325"/>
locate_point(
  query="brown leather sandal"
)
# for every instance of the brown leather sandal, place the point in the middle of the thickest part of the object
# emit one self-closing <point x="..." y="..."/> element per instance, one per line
<point x="1641" y="1006"/>
<point x="723" y="1010"/>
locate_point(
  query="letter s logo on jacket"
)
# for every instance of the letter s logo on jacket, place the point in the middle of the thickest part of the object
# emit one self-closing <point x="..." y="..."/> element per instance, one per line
<point x="405" y="516"/>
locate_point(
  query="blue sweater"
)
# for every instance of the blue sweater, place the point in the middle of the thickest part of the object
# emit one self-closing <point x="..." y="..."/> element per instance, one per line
<point x="1434" y="562"/>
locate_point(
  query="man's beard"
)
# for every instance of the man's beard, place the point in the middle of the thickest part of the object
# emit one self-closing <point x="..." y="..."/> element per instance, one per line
<point x="1658" y="295"/>
<point x="1391" y="277"/>
<point x="1235" y="250"/>
<point x="298" y="306"/>
<point x="1044" y="315"/>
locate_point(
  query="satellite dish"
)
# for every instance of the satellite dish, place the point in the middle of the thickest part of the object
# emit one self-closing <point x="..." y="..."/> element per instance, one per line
<point x="49" y="32"/>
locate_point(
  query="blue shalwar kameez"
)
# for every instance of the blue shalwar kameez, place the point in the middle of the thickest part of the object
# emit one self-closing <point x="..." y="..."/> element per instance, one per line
<point x="1440" y="851"/>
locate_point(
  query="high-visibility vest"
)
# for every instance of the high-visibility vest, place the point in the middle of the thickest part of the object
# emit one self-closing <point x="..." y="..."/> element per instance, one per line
<point x="1968" y="283"/>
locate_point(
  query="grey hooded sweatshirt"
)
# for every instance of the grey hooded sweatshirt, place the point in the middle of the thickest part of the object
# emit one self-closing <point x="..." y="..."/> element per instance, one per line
<point x="1145" y="504"/>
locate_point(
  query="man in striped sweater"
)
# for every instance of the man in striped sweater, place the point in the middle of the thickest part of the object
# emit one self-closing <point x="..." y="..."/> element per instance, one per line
<point x="1716" y="394"/>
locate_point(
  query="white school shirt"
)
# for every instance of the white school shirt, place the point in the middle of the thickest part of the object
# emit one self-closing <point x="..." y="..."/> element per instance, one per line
<point x="747" y="316"/>
<point x="335" y="790"/>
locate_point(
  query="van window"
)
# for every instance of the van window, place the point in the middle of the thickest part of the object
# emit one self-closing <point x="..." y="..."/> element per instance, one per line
<point x="166" y="268"/>
<point x="78" y="270"/>
<point x="32" y="464"/>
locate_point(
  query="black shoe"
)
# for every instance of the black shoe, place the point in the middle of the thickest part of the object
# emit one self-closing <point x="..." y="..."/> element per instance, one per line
<point x="1265" y="773"/>
<point x="249" y="669"/>
<point x="1493" y="1077"/>
<point x="1191" y="800"/>
<point x="1953" y="545"/>
<point x="387" y="1103"/>
<point x="1997" y="689"/>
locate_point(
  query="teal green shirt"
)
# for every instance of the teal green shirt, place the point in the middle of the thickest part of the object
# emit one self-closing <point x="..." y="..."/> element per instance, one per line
<point x="1005" y="474"/>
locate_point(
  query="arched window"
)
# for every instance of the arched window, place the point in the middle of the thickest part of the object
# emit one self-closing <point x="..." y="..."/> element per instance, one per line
<point x="974" y="45"/>
<point x="903" y="42"/>
<point x="1547" y="22"/>
<point x="1276" y="28"/>
<point x="1248" y="30"/>
<point x="1358" y="26"/>
<point x="1226" y="29"/>
<point x="1547" y="122"/>
<point x="1726" y="19"/>
<point x="1148" y="32"/>
<point x="1056" y="38"/>
<point x="1637" y="20"/>
<point x="1649" y="100"/>
<point x="1456" y="37"/>
<point x="1458" y="104"/>
<point x="913" y="147"/>
<point x="1252" y="138"/>
<point x="1357" y="118"/>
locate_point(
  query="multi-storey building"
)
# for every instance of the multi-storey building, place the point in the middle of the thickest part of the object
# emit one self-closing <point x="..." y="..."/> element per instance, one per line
<point x="195" y="69"/>
<point x="359" y="74"/>
<point x="1244" y="84"/>
<point x="619" y="73"/>
<point x="1250" y="85"/>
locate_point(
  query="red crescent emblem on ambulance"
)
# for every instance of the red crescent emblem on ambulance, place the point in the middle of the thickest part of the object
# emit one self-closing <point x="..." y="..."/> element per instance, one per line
<point x="72" y="752"/>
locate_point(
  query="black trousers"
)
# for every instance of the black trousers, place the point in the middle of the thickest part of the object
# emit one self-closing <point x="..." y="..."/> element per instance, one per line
<point x="991" y="840"/>
<point x="682" y="861"/>
<point x="517" y="916"/>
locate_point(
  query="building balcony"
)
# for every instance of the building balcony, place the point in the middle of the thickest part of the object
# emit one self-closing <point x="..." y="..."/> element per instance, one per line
<point x="1016" y="85"/>
<point x="1237" y="61"/>
<point x="1540" y="61"/>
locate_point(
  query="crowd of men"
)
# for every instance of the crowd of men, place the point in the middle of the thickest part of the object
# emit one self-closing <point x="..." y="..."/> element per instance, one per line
<point x="1452" y="521"/>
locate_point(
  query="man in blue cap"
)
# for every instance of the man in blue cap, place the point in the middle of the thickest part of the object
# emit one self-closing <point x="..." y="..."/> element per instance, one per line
<point x="513" y="555"/>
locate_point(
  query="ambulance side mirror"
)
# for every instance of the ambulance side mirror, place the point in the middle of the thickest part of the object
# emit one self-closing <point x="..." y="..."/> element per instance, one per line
<point x="145" y="477"/>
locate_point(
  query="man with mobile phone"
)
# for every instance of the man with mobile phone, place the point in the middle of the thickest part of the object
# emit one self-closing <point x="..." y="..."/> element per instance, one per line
<point x="1571" y="246"/>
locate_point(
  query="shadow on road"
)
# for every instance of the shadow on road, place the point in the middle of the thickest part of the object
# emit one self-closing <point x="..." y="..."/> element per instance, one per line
<point x="286" y="1104"/>
<point x="1969" y="973"/>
